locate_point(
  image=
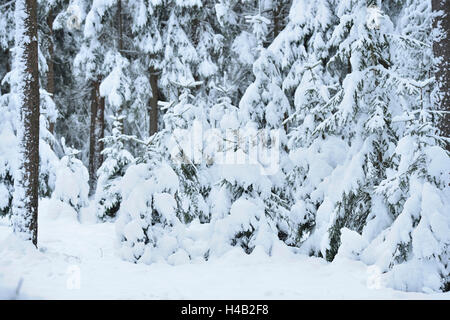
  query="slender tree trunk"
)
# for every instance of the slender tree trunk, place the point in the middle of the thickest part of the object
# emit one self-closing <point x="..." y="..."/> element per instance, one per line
<point x="26" y="182"/>
<point x="153" y="103"/>
<point x="96" y="132"/>
<point x="92" y="140"/>
<point x="50" y="65"/>
<point x="442" y="49"/>
<point x="6" y="86"/>
<point x="120" y="48"/>
<point x="276" y="12"/>
<point x="101" y="129"/>
<point x="8" y="62"/>
<point x="120" y="24"/>
<point x="277" y="15"/>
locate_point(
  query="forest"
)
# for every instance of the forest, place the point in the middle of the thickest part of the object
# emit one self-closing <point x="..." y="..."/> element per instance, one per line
<point x="158" y="139"/>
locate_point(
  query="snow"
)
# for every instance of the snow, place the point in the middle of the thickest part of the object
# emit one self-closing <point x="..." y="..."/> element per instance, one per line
<point x="79" y="261"/>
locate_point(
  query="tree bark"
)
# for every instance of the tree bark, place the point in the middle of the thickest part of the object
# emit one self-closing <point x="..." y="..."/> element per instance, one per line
<point x="153" y="103"/>
<point x="441" y="49"/>
<point x="50" y="65"/>
<point x="26" y="182"/>
<point x="96" y="133"/>
<point x="278" y="16"/>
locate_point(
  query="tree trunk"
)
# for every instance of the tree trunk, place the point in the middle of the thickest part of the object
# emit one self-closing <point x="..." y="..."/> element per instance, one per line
<point x="276" y="12"/>
<point x="442" y="49"/>
<point x="7" y="60"/>
<point x="153" y="103"/>
<point x="50" y="65"/>
<point x="26" y="182"/>
<point x="119" y="24"/>
<point x="92" y="140"/>
<point x="277" y="16"/>
<point x="101" y="129"/>
<point x="120" y="48"/>
<point x="96" y="132"/>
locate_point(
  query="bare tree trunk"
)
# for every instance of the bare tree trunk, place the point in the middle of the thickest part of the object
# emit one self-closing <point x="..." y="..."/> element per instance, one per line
<point x="96" y="132"/>
<point x="153" y="103"/>
<point x="276" y="12"/>
<point x="119" y="24"/>
<point x="101" y="129"/>
<point x="442" y="49"/>
<point x="26" y="183"/>
<point x="50" y="65"/>
<point x="92" y="140"/>
<point x="120" y="47"/>
<point x="6" y="87"/>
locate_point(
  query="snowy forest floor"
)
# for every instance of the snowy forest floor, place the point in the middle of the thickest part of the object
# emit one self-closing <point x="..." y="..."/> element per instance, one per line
<point x="69" y="249"/>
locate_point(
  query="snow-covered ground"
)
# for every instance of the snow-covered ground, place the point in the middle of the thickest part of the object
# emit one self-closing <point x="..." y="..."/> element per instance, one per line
<point x="78" y="261"/>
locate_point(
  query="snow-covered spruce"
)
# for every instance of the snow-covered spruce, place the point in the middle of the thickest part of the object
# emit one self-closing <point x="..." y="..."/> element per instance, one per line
<point x="147" y="215"/>
<point x="414" y="249"/>
<point x="154" y="224"/>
